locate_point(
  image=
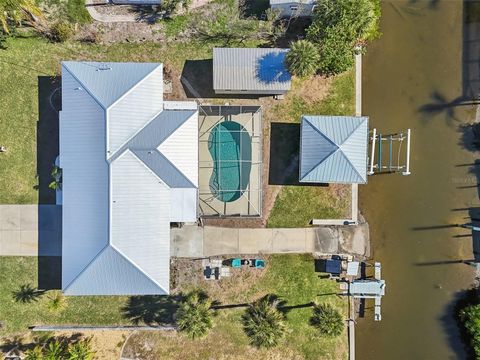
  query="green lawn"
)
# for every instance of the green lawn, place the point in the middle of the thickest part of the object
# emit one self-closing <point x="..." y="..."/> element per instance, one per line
<point x="291" y="277"/>
<point x="296" y="205"/>
<point x="21" y="65"/>
<point x="17" y="316"/>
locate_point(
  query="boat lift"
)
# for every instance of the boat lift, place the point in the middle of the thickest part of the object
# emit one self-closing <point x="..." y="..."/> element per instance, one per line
<point x="383" y="148"/>
<point x="370" y="289"/>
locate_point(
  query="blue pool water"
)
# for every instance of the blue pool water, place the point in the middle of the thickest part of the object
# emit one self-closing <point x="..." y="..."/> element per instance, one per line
<point x="230" y="146"/>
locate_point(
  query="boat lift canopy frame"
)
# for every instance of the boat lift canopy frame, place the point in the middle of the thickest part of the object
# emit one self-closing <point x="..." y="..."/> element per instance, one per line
<point x="377" y="166"/>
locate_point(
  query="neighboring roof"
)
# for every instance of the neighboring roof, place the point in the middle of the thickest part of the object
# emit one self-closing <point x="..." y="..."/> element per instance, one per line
<point x="251" y="69"/>
<point x="333" y="149"/>
<point x="118" y="203"/>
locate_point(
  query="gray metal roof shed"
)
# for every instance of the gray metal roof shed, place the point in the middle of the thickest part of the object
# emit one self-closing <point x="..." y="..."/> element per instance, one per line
<point x="250" y="71"/>
<point x="333" y="149"/>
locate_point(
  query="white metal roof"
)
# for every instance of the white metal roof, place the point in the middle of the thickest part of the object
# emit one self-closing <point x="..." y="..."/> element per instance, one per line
<point x="126" y="175"/>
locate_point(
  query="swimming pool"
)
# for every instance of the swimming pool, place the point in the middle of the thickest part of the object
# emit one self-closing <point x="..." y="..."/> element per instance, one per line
<point x="230" y="146"/>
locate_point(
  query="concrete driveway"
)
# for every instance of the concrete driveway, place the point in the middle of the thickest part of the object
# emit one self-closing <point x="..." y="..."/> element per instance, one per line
<point x="30" y="230"/>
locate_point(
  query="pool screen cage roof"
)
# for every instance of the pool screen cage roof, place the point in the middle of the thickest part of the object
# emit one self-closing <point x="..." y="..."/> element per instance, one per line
<point x="230" y="161"/>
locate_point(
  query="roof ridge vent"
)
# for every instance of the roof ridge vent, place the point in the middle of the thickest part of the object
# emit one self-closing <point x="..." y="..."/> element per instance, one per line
<point x="103" y="67"/>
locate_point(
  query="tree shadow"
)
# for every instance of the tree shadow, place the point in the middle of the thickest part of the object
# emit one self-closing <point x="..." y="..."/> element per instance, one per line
<point x="470" y="137"/>
<point x="151" y="309"/>
<point x="470" y="68"/>
<point x="149" y="14"/>
<point x="255" y="8"/>
<point x="271" y="68"/>
<point x="27" y="294"/>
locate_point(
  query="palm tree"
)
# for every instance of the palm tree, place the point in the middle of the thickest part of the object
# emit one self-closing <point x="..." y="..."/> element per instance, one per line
<point x="327" y="319"/>
<point x="194" y="315"/>
<point x="14" y="11"/>
<point x="81" y="350"/>
<point x="303" y="58"/>
<point x="264" y="323"/>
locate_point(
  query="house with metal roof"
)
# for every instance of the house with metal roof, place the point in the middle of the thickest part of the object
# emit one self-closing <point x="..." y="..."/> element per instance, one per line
<point x="129" y="163"/>
<point x="294" y="8"/>
<point x="333" y="149"/>
<point x="258" y="71"/>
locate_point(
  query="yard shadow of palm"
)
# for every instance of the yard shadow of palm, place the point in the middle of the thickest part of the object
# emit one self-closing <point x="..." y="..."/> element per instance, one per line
<point x="152" y="310"/>
<point x="271" y="68"/>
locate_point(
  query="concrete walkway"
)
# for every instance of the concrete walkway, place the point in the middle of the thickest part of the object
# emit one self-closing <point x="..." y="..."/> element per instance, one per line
<point x="30" y="230"/>
<point x="195" y="241"/>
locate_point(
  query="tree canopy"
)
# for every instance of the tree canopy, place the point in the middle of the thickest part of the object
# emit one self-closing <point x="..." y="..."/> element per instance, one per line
<point x="338" y="27"/>
<point x="14" y="11"/>
<point x="328" y="320"/>
<point x="194" y="316"/>
<point x="264" y="323"/>
<point x="470" y="317"/>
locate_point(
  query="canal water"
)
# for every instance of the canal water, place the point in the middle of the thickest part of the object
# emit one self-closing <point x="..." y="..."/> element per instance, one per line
<point x="421" y="74"/>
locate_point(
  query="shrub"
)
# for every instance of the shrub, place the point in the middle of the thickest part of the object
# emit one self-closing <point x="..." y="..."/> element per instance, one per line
<point x="327" y="319"/>
<point x="34" y="354"/>
<point x="194" y="315"/>
<point x="303" y="58"/>
<point x="81" y="350"/>
<point x="62" y="31"/>
<point x="264" y="323"/>
<point x="57" y="301"/>
<point x="470" y="316"/>
<point x="55" y="350"/>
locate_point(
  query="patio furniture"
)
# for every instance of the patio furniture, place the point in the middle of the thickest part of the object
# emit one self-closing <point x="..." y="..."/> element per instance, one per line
<point x="236" y="263"/>
<point x="259" y="263"/>
<point x="207" y="273"/>
<point x="246" y="262"/>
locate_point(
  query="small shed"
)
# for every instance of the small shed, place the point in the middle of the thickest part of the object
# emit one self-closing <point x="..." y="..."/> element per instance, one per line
<point x="294" y="8"/>
<point x="333" y="149"/>
<point x="257" y="71"/>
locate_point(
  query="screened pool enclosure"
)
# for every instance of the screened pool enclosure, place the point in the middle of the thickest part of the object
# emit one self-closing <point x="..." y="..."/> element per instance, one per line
<point x="230" y="161"/>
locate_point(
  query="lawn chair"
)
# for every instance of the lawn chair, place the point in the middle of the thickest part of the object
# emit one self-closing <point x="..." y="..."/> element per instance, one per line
<point x="236" y="263"/>
<point x="259" y="263"/>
